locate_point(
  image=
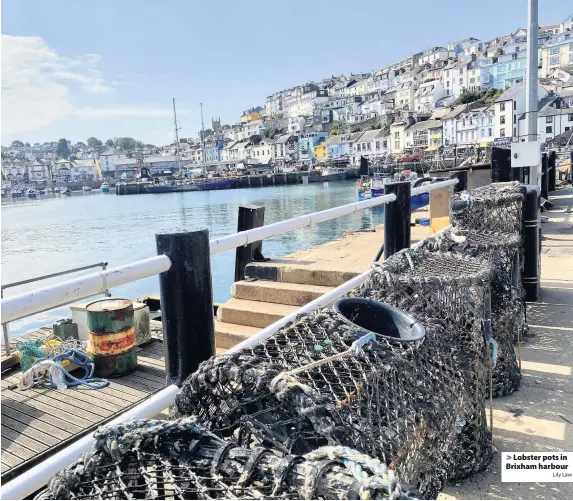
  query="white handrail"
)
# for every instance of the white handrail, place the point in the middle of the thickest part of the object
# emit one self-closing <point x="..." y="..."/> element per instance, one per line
<point x="51" y="296"/>
<point x="249" y="236"/>
<point x="427" y="188"/>
<point x="38" y="476"/>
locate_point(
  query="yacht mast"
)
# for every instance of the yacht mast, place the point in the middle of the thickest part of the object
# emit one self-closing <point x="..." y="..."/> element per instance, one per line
<point x="177" y="136"/>
<point x="203" y="141"/>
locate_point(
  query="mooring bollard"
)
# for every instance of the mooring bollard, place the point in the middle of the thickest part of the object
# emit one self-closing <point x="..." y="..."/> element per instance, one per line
<point x="531" y="242"/>
<point x="462" y="176"/>
<point x="571" y="167"/>
<point x="552" y="157"/>
<point x="249" y="217"/>
<point x="544" y="177"/>
<point x="397" y="217"/>
<point x="186" y="303"/>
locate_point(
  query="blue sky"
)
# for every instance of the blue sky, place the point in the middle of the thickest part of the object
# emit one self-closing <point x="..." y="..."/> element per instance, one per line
<point x="110" y="68"/>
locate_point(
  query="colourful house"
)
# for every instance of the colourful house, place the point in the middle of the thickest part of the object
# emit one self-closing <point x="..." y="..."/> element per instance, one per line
<point x="321" y="150"/>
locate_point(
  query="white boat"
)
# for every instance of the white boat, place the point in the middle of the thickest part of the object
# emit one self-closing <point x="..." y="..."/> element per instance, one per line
<point x="66" y="191"/>
<point x="86" y="188"/>
<point x="31" y="193"/>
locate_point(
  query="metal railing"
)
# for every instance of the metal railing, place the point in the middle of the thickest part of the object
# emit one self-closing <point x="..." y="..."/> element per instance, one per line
<point x="31" y="302"/>
<point x="6" y="331"/>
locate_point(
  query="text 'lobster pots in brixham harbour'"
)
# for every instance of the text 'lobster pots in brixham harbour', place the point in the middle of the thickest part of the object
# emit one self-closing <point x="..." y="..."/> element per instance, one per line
<point x="112" y="337"/>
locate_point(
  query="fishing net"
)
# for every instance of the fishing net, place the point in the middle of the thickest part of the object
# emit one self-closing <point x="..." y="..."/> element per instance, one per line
<point x="46" y="347"/>
<point x="502" y="250"/>
<point x="319" y="382"/>
<point x="453" y="291"/>
<point x="496" y="207"/>
<point x="151" y="459"/>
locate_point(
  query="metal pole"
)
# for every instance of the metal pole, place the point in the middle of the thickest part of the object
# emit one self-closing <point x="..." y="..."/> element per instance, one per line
<point x="397" y="217"/>
<point x="106" y="292"/>
<point x="186" y="303"/>
<point x="462" y="177"/>
<point x="249" y="217"/>
<point x="5" y="331"/>
<point x="532" y="83"/>
<point x="544" y="177"/>
<point x="551" y="171"/>
<point x="203" y="139"/>
<point x="531" y="241"/>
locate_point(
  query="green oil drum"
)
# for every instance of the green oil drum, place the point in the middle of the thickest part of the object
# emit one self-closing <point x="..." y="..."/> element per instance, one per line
<point x="111" y="334"/>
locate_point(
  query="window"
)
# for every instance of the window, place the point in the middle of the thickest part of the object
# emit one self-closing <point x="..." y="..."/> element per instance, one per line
<point x="570" y="117"/>
<point x="549" y="129"/>
<point x="482" y="133"/>
<point x="567" y="129"/>
<point x="448" y="83"/>
<point x="502" y="107"/>
<point x="397" y="145"/>
<point x="501" y="132"/>
<point x="396" y="135"/>
<point x="489" y="132"/>
<point x="447" y="92"/>
<point x="571" y="58"/>
<point x="548" y="120"/>
<point x="461" y="81"/>
<point x="358" y="147"/>
<point x="554" y="50"/>
<point x="472" y="80"/>
<point x="502" y="119"/>
<point x="554" y="60"/>
<point x="514" y="105"/>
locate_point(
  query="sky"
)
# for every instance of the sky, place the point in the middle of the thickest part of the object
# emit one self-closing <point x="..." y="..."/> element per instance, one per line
<point x="110" y="68"/>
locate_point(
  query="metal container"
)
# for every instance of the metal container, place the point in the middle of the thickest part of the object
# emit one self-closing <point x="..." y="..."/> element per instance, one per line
<point x="65" y="329"/>
<point x="111" y="335"/>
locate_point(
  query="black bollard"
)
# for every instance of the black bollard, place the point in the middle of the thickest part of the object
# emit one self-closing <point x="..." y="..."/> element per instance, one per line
<point x="551" y="171"/>
<point x="571" y="167"/>
<point x="531" y="242"/>
<point x="397" y="217"/>
<point x="544" y="177"/>
<point x="186" y="303"/>
<point x="249" y="217"/>
<point x="462" y="176"/>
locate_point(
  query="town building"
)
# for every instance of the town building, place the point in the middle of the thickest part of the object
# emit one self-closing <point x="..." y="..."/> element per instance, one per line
<point x="109" y="158"/>
<point x="449" y="125"/>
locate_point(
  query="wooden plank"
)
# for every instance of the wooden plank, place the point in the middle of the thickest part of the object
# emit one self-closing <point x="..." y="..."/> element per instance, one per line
<point x="150" y="370"/>
<point x="114" y="400"/>
<point x="16" y="449"/>
<point x="9" y="461"/>
<point x="78" y="422"/>
<point x="147" y="378"/>
<point x="88" y="409"/>
<point x="34" y="419"/>
<point x="150" y="362"/>
<point x="28" y="431"/>
<point x="23" y="440"/>
<point x="124" y="392"/>
<point x="139" y="384"/>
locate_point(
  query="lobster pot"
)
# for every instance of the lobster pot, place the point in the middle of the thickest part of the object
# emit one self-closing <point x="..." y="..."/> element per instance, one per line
<point x="502" y="250"/>
<point x="182" y="460"/>
<point x="496" y="207"/>
<point x="359" y="374"/>
<point x="111" y="334"/>
<point x="452" y="292"/>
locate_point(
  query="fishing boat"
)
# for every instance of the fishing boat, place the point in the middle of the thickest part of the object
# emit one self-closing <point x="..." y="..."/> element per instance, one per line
<point x="17" y="192"/>
<point x="42" y="191"/>
<point x="215" y="184"/>
<point x="31" y="193"/>
<point x="86" y="188"/>
<point x="66" y="191"/>
<point x="104" y="188"/>
<point x="327" y="174"/>
<point x="162" y="188"/>
<point x="375" y="187"/>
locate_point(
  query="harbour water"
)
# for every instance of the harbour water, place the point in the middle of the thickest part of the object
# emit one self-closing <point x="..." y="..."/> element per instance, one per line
<point x="47" y="235"/>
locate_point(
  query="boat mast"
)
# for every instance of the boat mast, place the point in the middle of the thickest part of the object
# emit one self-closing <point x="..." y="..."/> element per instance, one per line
<point x="203" y="140"/>
<point x="177" y="137"/>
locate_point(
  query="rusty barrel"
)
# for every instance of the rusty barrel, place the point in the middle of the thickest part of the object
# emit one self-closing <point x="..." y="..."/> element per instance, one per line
<point x="111" y="333"/>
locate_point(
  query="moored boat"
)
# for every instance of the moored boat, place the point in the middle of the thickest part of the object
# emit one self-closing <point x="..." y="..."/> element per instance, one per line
<point x="215" y="184"/>
<point x="31" y="193"/>
<point x="104" y="188"/>
<point x="327" y="174"/>
<point x="375" y="187"/>
<point x="66" y="191"/>
<point x="16" y="192"/>
<point x="86" y="188"/>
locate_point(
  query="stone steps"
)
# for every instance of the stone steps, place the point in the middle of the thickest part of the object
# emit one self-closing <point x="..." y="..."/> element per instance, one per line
<point x="228" y="335"/>
<point x="252" y="313"/>
<point x="290" y="272"/>
<point x="278" y="292"/>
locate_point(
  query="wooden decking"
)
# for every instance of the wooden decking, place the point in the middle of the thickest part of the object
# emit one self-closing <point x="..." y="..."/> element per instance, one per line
<point x="38" y="422"/>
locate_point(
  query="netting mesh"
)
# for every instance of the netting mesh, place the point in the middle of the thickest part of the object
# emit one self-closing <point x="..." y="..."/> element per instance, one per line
<point x="181" y="460"/>
<point x="502" y="250"/>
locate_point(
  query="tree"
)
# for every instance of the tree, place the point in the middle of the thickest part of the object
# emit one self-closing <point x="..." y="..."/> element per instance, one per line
<point x="27" y="145"/>
<point x="126" y="143"/>
<point x="109" y="143"/>
<point x="17" y="144"/>
<point x="62" y="150"/>
<point x="94" y="143"/>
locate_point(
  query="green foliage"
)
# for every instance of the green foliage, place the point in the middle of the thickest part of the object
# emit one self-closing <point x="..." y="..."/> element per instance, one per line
<point x="94" y="142"/>
<point x="484" y="96"/>
<point x="335" y="129"/>
<point x="109" y="143"/>
<point x="62" y="151"/>
<point x="27" y="145"/>
<point x="126" y="143"/>
<point x="17" y="144"/>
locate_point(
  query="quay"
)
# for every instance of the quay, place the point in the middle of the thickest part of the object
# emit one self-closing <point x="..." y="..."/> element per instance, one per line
<point x="538" y="416"/>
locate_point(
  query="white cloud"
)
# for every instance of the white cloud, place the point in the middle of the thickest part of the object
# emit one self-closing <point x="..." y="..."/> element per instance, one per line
<point x="37" y="84"/>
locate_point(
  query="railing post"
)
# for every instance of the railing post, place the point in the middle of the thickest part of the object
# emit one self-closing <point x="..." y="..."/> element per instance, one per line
<point x="106" y="292"/>
<point x="249" y="217"/>
<point x="551" y="171"/>
<point x="5" y="331"/>
<point x="397" y="218"/>
<point x="462" y="177"/>
<point x="531" y="242"/>
<point x="544" y="185"/>
<point x="186" y="303"/>
<point x="571" y="166"/>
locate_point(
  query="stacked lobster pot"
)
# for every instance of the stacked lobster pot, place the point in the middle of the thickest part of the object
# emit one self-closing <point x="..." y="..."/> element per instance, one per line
<point x="359" y="374"/>
<point x="486" y="222"/>
<point x="452" y="292"/>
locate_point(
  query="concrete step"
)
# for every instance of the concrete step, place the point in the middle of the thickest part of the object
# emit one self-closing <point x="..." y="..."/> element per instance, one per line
<point x="252" y="313"/>
<point x="228" y="335"/>
<point x="278" y="292"/>
<point x="308" y="274"/>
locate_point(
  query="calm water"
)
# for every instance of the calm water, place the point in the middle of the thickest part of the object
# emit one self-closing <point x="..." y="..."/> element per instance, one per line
<point x="49" y="235"/>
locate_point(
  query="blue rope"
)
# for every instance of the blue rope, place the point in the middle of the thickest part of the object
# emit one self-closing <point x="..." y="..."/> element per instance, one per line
<point x="81" y="359"/>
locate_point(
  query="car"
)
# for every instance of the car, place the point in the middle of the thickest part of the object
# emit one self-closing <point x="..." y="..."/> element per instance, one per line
<point x="409" y="158"/>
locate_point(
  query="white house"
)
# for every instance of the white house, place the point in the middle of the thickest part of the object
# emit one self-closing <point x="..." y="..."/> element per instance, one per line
<point x="38" y="171"/>
<point x="466" y="128"/>
<point x="554" y="119"/>
<point x="398" y="137"/>
<point x="262" y="152"/>
<point x="449" y="124"/>
<point x="109" y="158"/>
<point x="418" y="135"/>
<point x="372" y="143"/>
<point x="508" y="107"/>
<point x="433" y="54"/>
<point x="63" y="171"/>
<point x="427" y="95"/>
<point x="485" y="125"/>
<point x="84" y="170"/>
<point x="454" y="78"/>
